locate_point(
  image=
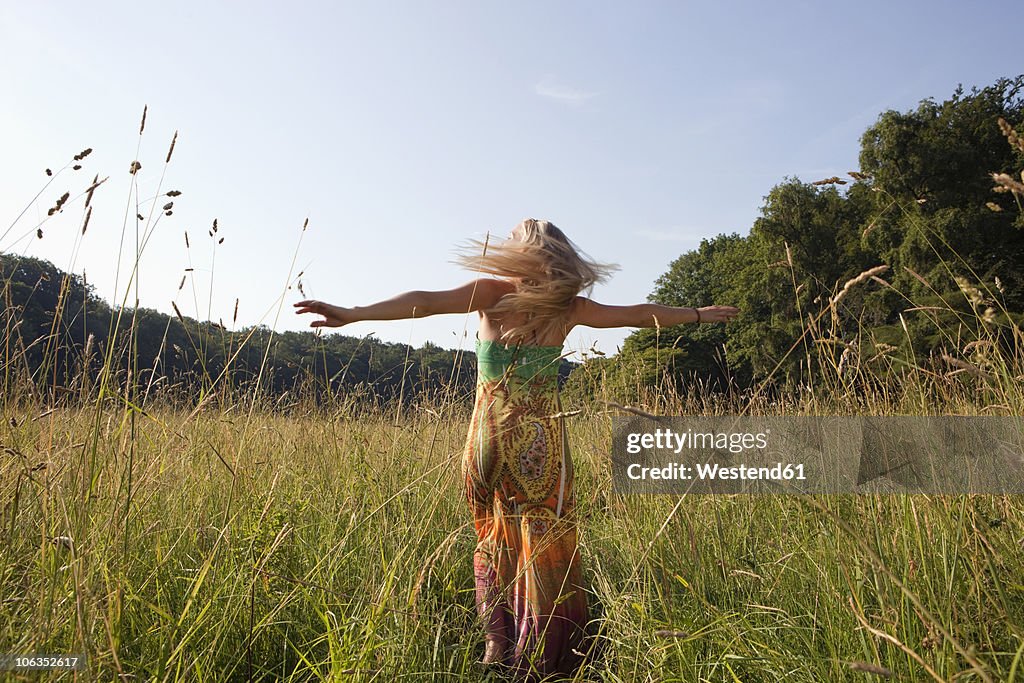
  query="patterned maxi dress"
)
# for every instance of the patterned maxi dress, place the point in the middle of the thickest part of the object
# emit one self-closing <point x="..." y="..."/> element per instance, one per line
<point x="519" y="482"/>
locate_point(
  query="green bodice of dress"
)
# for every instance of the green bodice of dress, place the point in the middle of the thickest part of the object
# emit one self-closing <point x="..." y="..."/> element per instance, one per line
<point x="529" y="362"/>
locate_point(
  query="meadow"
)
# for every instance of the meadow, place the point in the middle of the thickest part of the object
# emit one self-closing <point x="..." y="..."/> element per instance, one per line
<point x="316" y="542"/>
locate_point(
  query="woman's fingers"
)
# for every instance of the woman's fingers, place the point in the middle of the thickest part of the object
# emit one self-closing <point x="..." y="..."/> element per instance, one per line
<point x="719" y="313"/>
<point x="334" y="316"/>
<point x="310" y="306"/>
<point x="313" y="306"/>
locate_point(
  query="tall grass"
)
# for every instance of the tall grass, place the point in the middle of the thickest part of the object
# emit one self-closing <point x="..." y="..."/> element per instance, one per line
<point x="171" y="536"/>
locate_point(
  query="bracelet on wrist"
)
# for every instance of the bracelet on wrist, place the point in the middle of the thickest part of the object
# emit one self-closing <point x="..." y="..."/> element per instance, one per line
<point x="697" y="310"/>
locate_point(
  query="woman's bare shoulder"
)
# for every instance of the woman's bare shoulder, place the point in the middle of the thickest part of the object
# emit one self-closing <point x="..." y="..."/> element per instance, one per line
<point x="490" y="290"/>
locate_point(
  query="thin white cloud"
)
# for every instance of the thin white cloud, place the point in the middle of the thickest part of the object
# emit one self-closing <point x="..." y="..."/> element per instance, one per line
<point x="666" y="236"/>
<point x="548" y="87"/>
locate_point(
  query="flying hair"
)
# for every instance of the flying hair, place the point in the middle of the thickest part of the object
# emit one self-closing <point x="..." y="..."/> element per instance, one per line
<point x="549" y="272"/>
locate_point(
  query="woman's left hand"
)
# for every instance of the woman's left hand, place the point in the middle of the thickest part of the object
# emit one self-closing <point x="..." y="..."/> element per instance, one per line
<point x="334" y="316"/>
<point x="717" y="314"/>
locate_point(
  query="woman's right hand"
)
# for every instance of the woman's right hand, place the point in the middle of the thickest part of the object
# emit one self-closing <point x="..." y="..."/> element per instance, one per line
<point x="717" y="314"/>
<point x="334" y="316"/>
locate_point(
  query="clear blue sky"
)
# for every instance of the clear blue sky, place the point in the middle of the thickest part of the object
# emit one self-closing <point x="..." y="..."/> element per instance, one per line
<point x="402" y="128"/>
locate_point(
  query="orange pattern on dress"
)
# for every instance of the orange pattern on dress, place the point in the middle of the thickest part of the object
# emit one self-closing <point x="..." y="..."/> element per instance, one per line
<point x="519" y="483"/>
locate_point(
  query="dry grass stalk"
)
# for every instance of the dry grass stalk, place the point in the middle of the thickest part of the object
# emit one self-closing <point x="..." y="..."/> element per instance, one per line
<point x="979" y="344"/>
<point x="884" y="283"/>
<point x="895" y="641"/>
<point x="871" y="669"/>
<point x="631" y="409"/>
<point x="1007" y="183"/>
<point x="853" y="282"/>
<point x="96" y="182"/>
<point x="1011" y="134"/>
<point x="969" y="367"/>
<point x="178" y="313"/>
<point x="171" y="150"/>
<point x="59" y="205"/>
<point x="919" y="278"/>
<point x="972" y="292"/>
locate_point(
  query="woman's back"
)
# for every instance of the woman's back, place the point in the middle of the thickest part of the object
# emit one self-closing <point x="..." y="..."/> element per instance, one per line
<point x="494" y="325"/>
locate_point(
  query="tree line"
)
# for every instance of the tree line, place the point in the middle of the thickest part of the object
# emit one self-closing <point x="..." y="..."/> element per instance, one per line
<point x="931" y="244"/>
<point x="59" y="335"/>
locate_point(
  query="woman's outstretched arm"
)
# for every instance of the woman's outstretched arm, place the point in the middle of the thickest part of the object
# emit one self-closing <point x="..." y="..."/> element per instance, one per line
<point x="592" y="314"/>
<point x="472" y="296"/>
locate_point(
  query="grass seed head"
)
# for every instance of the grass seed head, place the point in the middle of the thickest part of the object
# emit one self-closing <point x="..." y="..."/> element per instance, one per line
<point x="1011" y="135"/>
<point x="854" y="281"/>
<point x="171" y="150"/>
<point x="59" y="205"/>
<point x="1007" y="183"/>
<point x="92" y="188"/>
<point x="967" y="288"/>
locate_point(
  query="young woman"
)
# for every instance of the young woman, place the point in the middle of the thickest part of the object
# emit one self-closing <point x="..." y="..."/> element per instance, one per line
<point x="517" y="469"/>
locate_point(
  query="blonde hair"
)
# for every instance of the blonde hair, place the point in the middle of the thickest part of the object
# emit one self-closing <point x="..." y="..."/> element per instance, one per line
<point x="550" y="271"/>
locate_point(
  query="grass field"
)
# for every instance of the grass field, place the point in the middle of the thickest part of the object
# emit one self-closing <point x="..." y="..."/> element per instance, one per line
<point x="235" y="544"/>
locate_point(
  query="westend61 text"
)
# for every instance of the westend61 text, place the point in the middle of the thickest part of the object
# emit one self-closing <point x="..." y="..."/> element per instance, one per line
<point x="709" y="471"/>
<point x="666" y="439"/>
